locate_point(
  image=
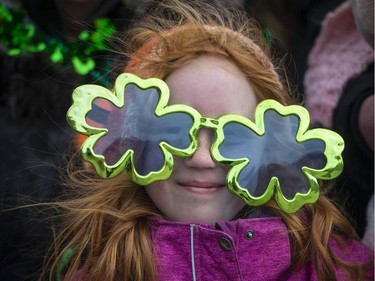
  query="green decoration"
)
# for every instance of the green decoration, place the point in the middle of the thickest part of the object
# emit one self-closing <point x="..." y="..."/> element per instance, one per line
<point x="20" y="38"/>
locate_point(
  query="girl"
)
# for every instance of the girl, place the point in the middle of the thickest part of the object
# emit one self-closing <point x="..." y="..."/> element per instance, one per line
<point x="186" y="219"/>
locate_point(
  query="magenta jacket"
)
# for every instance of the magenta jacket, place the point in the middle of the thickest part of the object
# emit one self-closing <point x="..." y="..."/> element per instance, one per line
<point x="256" y="249"/>
<point x="244" y="249"/>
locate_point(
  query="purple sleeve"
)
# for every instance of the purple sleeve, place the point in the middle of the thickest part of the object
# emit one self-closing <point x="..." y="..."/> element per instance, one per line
<point x="353" y="252"/>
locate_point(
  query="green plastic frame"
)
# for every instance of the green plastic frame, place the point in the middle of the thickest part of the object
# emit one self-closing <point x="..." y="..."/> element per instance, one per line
<point x="334" y="165"/>
<point x="84" y="96"/>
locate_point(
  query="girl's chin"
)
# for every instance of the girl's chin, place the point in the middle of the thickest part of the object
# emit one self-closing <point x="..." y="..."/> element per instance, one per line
<point x="202" y="218"/>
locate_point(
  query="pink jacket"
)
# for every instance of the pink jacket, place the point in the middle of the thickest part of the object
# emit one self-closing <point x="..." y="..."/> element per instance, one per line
<point x="244" y="249"/>
<point x="339" y="54"/>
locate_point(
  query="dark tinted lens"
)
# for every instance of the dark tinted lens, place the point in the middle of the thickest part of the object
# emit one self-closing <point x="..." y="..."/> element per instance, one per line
<point x="137" y="127"/>
<point x="275" y="154"/>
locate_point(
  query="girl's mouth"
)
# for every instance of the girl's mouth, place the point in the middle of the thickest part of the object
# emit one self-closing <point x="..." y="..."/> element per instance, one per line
<point x="201" y="187"/>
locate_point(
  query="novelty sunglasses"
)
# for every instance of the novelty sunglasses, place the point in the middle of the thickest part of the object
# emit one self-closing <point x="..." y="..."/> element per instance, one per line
<point x="134" y="129"/>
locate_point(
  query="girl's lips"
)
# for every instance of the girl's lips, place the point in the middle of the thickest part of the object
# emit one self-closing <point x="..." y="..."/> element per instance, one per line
<point x="201" y="187"/>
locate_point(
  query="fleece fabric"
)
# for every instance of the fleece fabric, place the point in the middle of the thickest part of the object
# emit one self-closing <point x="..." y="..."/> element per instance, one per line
<point x="339" y="54"/>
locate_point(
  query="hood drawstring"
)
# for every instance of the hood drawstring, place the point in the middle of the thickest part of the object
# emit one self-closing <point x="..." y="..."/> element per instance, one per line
<point x="192" y="250"/>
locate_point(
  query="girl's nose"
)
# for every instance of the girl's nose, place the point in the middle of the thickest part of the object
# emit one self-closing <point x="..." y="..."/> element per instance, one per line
<point x="202" y="157"/>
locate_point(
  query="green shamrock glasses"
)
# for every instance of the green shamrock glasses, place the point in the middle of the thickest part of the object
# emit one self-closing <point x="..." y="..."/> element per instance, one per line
<point x="134" y="129"/>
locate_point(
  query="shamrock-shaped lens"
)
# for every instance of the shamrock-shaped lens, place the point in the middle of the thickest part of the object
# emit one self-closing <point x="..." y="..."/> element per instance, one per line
<point x="133" y="128"/>
<point x="136" y="127"/>
<point x="277" y="155"/>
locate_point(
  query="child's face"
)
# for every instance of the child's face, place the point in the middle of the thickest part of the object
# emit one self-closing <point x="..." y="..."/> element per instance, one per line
<point x="196" y="191"/>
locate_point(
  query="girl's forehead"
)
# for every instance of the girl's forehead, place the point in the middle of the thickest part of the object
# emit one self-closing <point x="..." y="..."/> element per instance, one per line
<point x="212" y="85"/>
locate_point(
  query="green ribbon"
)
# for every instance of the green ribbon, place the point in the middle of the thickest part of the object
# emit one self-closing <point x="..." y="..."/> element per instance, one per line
<point x="20" y="38"/>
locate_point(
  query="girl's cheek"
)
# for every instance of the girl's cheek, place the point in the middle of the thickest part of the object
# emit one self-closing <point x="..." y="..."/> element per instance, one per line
<point x="178" y="162"/>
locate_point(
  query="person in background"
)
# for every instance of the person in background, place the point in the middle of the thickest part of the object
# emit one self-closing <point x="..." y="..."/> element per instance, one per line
<point x="339" y="92"/>
<point x="292" y="26"/>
